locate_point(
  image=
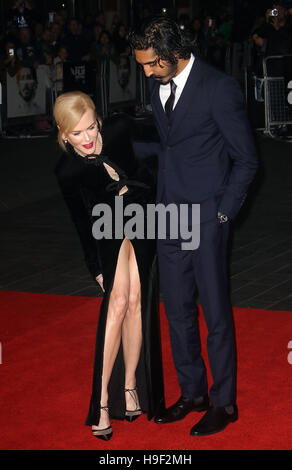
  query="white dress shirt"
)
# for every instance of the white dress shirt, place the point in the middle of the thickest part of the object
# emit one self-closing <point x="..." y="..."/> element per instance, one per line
<point x="180" y="81"/>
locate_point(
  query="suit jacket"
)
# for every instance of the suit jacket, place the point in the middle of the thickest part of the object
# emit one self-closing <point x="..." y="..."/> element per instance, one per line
<point x="206" y="153"/>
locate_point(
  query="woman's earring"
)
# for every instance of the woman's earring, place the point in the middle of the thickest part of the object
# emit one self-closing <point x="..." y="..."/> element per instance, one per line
<point x="65" y="141"/>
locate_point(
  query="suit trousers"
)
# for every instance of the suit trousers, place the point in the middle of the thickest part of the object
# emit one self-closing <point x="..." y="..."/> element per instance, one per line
<point x="204" y="271"/>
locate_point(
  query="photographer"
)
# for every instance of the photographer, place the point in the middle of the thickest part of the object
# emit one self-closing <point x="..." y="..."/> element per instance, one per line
<point x="276" y="35"/>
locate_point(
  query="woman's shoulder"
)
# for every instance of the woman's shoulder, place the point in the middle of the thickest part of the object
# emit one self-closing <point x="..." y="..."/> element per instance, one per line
<point x="67" y="168"/>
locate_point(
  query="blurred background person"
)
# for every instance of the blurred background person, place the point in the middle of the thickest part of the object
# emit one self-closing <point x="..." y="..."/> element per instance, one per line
<point x="226" y="29"/>
<point x="76" y="43"/>
<point x="102" y="48"/>
<point x="216" y="52"/>
<point x="9" y="62"/>
<point x="27" y="49"/>
<point x="277" y="31"/>
<point x="59" y="60"/>
<point x="56" y="37"/>
<point x="197" y="35"/>
<point x="9" y="65"/>
<point x="20" y="15"/>
<point x="209" y="30"/>
<point x="100" y="19"/>
<point x="46" y="46"/>
<point x="114" y="25"/>
<point x="38" y="30"/>
<point x="120" y="42"/>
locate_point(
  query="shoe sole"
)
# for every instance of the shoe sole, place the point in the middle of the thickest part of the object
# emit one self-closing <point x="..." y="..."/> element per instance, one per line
<point x="104" y="434"/>
<point x="103" y="437"/>
<point x="133" y="416"/>
<point x="213" y="432"/>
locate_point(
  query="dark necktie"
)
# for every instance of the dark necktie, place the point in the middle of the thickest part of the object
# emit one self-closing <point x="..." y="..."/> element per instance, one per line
<point x="170" y="101"/>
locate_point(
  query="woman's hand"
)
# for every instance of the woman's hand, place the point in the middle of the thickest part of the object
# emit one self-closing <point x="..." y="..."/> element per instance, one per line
<point x="99" y="279"/>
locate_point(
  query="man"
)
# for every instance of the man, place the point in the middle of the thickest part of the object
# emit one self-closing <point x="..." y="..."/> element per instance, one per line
<point x="77" y="45"/>
<point x="207" y="157"/>
<point x="27" y="50"/>
<point x="275" y="38"/>
<point x="21" y="14"/>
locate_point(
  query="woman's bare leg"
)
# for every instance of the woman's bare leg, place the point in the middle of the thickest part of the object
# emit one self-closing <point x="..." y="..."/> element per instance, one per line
<point x="117" y="308"/>
<point x="132" y="332"/>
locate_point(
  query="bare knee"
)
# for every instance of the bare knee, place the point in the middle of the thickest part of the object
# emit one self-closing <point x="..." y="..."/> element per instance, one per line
<point x="134" y="307"/>
<point x="119" y="304"/>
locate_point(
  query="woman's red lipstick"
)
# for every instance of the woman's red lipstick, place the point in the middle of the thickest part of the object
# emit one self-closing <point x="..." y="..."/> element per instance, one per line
<point x="88" y="146"/>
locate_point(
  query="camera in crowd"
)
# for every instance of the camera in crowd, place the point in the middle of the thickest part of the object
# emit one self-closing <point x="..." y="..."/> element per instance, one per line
<point x="274" y="12"/>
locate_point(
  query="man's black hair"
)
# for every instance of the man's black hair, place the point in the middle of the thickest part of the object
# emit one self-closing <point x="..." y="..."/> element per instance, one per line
<point x="164" y="36"/>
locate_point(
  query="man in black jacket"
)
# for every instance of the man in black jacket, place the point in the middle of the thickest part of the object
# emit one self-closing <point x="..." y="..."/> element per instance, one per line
<point x="206" y="157"/>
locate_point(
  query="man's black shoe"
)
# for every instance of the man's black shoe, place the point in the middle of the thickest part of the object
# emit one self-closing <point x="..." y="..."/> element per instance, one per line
<point x="215" y="420"/>
<point x="181" y="408"/>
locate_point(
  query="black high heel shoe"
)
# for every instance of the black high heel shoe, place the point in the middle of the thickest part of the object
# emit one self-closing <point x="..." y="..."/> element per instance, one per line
<point x="131" y="415"/>
<point x="106" y="433"/>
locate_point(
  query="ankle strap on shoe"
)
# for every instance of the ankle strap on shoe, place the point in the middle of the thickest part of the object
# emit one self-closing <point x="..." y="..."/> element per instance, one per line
<point x="131" y="389"/>
<point x="132" y="394"/>
<point x="105" y="408"/>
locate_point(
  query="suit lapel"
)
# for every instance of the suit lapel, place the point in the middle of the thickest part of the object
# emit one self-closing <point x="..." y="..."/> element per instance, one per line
<point x="158" y="111"/>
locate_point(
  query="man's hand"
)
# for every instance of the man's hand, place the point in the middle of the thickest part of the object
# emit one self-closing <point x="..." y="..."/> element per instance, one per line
<point x="258" y="40"/>
<point x="275" y="22"/>
<point x="267" y="15"/>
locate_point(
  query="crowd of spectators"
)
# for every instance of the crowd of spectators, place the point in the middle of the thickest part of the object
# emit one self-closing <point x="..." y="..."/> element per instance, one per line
<point x="30" y="40"/>
<point x="60" y="38"/>
<point x="268" y="35"/>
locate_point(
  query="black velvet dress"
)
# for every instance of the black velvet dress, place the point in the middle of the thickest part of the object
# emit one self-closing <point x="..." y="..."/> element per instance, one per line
<point x="84" y="183"/>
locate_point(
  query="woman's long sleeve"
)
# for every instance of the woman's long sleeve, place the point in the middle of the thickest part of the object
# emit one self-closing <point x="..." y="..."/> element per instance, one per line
<point x="81" y="217"/>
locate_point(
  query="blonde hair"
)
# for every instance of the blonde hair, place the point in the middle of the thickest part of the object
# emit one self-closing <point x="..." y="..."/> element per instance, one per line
<point x="69" y="109"/>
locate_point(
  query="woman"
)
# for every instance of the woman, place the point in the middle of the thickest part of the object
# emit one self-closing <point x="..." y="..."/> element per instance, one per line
<point x="102" y="47"/>
<point x="127" y="377"/>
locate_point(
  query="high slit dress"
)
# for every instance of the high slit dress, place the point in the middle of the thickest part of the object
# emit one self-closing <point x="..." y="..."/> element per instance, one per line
<point x="85" y="182"/>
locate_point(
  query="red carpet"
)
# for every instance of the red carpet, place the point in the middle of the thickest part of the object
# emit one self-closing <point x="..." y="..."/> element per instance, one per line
<point x="47" y="353"/>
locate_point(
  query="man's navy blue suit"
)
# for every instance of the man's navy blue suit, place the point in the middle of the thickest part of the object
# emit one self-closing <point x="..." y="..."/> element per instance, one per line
<point x="206" y="156"/>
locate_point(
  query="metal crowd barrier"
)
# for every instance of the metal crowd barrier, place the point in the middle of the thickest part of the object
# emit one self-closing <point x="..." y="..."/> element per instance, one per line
<point x="278" y="111"/>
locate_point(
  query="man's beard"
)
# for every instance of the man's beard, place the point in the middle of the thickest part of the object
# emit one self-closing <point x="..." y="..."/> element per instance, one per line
<point x="172" y="74"/>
